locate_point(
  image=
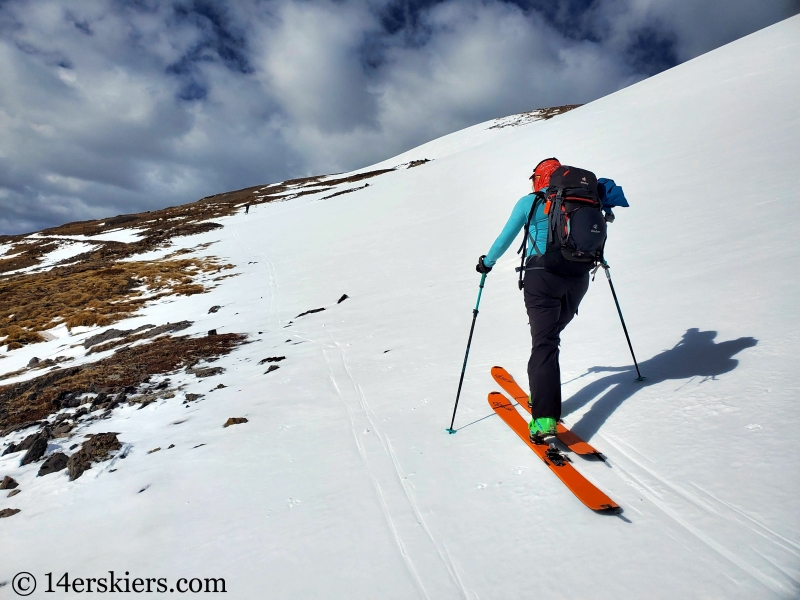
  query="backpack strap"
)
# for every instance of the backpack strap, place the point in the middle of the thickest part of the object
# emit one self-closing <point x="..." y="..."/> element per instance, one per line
<point x="553" y="217"/>
<point x="524" y="247"/>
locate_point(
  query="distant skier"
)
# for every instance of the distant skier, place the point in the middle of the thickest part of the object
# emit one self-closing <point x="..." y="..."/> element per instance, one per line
<point x="553" y="285"/>
<point x="247" y="208"/>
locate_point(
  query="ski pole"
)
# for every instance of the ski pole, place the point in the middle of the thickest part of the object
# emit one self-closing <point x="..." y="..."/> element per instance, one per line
<point x="469" y="342"/>
<point x="625" y="329"/>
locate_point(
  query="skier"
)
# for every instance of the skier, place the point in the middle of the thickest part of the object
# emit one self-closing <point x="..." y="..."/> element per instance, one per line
<point x="551" y="301"/>
<point x="247" y="208"/>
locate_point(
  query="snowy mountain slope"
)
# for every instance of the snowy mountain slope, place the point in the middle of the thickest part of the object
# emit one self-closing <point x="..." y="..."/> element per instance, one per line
<point x="343" y="482"/>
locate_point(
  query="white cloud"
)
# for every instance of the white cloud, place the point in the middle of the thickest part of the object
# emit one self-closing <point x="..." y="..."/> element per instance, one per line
<point x="107" y="107"/>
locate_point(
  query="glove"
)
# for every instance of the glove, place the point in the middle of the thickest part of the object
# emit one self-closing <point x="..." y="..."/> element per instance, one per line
<point x="481" y="267"/>
<point x="609" y="216"/>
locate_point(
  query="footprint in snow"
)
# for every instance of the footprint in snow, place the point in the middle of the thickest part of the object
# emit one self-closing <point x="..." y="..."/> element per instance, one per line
<point x="481" y="486"/>
<point x="292" y="502"/>
<point x="753" y="426"/>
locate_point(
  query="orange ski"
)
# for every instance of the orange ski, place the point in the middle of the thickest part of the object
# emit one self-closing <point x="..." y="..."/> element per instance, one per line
<point x="565" y="436"/>
<point x="583" y="489"/>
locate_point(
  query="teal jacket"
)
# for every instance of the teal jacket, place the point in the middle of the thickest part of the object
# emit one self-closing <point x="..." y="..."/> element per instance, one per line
<point x="517" y="220"/>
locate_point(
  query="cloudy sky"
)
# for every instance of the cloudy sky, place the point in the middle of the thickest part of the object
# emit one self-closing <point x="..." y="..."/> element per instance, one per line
<point x="119" y="106"/>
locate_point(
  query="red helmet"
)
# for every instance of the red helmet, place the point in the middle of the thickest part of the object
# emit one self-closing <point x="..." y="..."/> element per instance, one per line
<point x="542" y="171"/>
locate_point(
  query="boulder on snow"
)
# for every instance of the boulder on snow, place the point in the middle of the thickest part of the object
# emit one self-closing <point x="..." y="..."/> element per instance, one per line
<point x="36" y="451"/>
<point x="8" y="483"/>
<point x="54" y="463"/>
<point x="96" y="449"/>
<point x="13" y="493"/>
<point x="63" y="430"/>
<point x="207" y="371"/>
<point x="11" y="448"/>
<point x="8" y="512"/>
<point x="270" y="359"/>
<point x="234" y="421"/>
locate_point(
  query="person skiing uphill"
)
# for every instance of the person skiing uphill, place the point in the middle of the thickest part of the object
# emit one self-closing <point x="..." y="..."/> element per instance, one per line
<point x="553" y="286"/>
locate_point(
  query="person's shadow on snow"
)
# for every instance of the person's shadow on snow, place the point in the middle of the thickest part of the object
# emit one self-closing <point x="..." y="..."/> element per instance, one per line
<point x="696" y="355"/>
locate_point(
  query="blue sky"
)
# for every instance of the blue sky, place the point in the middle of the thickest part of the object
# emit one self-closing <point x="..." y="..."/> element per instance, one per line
<point x="110" y="107"/>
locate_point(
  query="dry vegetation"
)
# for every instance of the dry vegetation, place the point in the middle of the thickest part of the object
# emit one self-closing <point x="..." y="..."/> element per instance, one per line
<point x="37" y="398"/>
<point x="88" y="295"/>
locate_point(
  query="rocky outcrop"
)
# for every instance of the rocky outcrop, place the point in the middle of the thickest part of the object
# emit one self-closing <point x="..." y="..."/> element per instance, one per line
<point x="98" y="448"/>
<point x="36" y="451"/>
<point x="8" y="483"/>
<point x="54" y="463"/>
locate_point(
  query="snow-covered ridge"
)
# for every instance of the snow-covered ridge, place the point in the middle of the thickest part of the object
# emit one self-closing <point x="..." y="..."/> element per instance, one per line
<point x="343" y="469"/>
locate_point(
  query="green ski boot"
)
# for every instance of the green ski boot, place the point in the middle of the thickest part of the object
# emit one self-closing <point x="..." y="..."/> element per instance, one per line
<point x="541" y="428"/>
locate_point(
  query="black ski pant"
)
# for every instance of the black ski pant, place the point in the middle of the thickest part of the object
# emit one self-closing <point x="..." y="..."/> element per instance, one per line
<point x="552" y="301"/>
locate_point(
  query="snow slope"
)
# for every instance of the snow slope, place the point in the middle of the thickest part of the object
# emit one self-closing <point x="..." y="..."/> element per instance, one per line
<point x="344" y="484"/>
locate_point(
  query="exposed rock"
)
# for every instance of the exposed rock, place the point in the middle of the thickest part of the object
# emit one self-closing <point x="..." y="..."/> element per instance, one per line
<point x="212" y="332"/>
<point x="206" y="371"/>
<point x="101" y="399"/>
<point x="220" y="386"/>
<point x="110" y="334"/>
<point x="36" y="451"/>
<point x="8" y="512"/>
<point x="171" y="446"/>
<point x="13" y="493"/>
<point x="168" y="328"/>
<point x="63" y="430"/>
<point x="13" y="428"/>
<point x="271" y="359"/>
<point x="271" y="369"/>
<point x="133" y="335"/>
<point x="8" y="483"/>
<point x="235" y="421"/>
<point x="28" y="441"/>
<point x="214" y="309"/>
<point x="154" y="450"/>
<point x="11" y="448"/>
<point x="193" y="397"/>
<point x="54" y="463"/>
<point x="97" y="448"/>
<point x="309" y="312"/>
<point x="342" y="299"/>
<point x="33" y="362"/>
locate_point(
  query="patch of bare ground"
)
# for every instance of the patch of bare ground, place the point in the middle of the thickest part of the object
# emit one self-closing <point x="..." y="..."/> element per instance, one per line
<point x="23" y="255"/>
<point x="540" y="114"/>
<point x="41" y="396"/>
<point x="90" y="293"/>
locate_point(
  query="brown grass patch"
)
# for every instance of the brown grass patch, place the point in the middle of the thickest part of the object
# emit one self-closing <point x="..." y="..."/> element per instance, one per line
<point x="39" y="397"/>
<point x="24" y="255"/>
<point x="91" y="296"/>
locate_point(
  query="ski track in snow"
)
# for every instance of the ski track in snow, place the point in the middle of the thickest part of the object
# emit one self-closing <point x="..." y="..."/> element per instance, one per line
<point x="412" y="535"/>
<point x="680" y="505"/>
